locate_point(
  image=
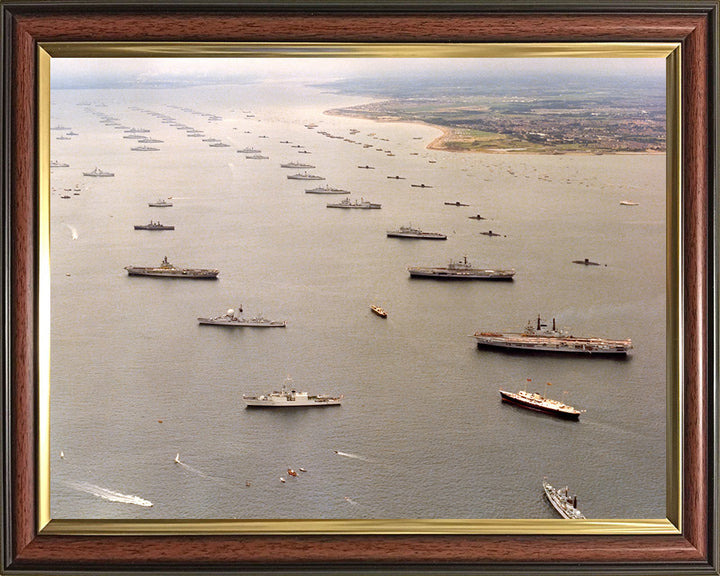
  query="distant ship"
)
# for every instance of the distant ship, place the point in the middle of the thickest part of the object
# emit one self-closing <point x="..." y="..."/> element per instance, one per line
<point x="586" y="262"/>
<point x="231" y="319"/>
<point x="291" y="399"/>
<point x="538" y="403"/>
<point x="539" y="338"/>
<point x="56" y="164"/>
<point x="304" y="176"/>
<point x="167" y="270"/>
<point x="477" y="217"/>
<point x="361" y="204"/>
<point x="461" y="270"/>
<point x="256" y="157"/>
<point x="219" y="145"/>
<point x="97" y="173"/>
<point x="248" y="151"/>
<point x="458" y="203"/>
<point x="144" y="148"/>
<point x="564" y="504"/>
<point x="410" y="232"/>
<point x="379" y="311"/>
<point x="420" y="186"/>
<point x="296" y="165"/>
<point x="161" y="203"/>
<point x="628" y="203"/>
<point x="153" y="226"/>
<point x="366" y="167"/>
<point x="326" y="190"/>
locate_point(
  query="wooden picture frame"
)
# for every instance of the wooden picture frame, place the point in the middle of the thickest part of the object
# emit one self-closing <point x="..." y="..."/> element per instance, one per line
<point x="28" y="547"/>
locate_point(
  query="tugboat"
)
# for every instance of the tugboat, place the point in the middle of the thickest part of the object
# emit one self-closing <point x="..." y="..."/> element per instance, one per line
<point x="97" y="173"/>
<point x="231" y="319"/>
<point x="153" y="226"/>
<point x="461" y="270"/>
<point x="537" y="402"/>
<point x="410" y="232"/>
<point x="361" y="204"/>
<point x="304" y="176"/>
<point x="539" y="338"/>
<point x="167" y="270"/>
<point x="564" y="504"/>
<point x="291" y="399"/>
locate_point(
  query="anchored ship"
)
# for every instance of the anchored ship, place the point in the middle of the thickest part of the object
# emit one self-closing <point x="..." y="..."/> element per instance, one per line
<point x="153" y="226"/>
<point x="231" y="319"/>
<point x="291" y="399"/>
<point x="362" y="204"/>
<point x="410" y="232"/>
<point x="539" y="338"/>
<point x="326" y="190"/>
<point x="161" y="203"/>
<point x="461" y="270"/>
<point x="167" y="270"/>
<point x="296" y="165"/>
<point x="564" y="504"/>
<point x="97" y="173"/>
<point x="304" y="176"/>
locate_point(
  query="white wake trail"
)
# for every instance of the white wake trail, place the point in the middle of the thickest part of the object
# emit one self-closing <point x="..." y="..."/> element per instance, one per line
<point x="111" y="495"/>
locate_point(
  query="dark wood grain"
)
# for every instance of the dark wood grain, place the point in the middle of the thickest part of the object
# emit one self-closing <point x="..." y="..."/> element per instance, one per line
<point x="689" y="552"/>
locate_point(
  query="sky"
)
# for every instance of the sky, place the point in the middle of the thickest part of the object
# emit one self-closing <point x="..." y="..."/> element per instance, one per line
<point x="92" y="71"/>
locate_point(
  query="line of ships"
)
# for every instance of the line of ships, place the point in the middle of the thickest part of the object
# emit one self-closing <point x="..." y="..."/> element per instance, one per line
<point x="536" y="336"/>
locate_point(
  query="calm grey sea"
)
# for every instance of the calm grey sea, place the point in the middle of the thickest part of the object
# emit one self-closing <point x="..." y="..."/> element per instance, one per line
<point x="422" y="432"/>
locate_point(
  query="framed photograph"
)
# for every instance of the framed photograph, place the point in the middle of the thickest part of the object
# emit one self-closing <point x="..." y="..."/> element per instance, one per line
<point x="331" y="288"/>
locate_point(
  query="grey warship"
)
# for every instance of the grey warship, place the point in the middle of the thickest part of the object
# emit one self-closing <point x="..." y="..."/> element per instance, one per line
<point x="167" y="270"/>
<point x="461" y="270"/>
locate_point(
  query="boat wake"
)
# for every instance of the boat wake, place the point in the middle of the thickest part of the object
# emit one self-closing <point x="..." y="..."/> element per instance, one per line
<point x="348" y="455"/>
<point x="195" y="470"/>
<point x="107" y="494"/>
<point x="73" y="231"/>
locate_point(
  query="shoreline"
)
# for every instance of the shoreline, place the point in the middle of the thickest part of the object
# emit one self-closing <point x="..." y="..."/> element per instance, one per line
<point x="438" y="143"/>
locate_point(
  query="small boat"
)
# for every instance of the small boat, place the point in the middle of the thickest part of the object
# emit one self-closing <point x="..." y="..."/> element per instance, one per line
<point x="628" y="203"/>
<point x="291" y="399"/>
<point x="477" y="217"/>
<point x="420" y="186"/>
<point x="455" y="204"/>
<point x="360" y="204"/>
<point x="304" y="176"/>
<point x="410" y="232"/>
<point x="161" y="203"/>
<point x="564" y="504"/>
<point x="490" y="233"/>
<point x="396" y="177"/>
<point x="97" y="173"/>
<point x="366" y="167"/>
<point x="326" y="190"/>
<point x="153" y="226"/>
<point x="379" y="311"/>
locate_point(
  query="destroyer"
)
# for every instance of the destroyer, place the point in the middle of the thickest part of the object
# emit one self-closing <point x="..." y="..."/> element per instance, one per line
<point x="564" y="504"/>
<point x="296" y="165"/>
<point x="539" y="403"/>
<point x="326" y="190"/>
<point x="291" y="399"/>
<point x="304" y="176"/>
<point x="231" y="319"/>
<point x="361" y="204"/>
<point x="153" y="226"/>
<point x="97" y="173"/>
<point x="540" y="338"/>
<point x="410" y="232"/>
<point x="167" y="270"/>
<point x="461" y="270"/>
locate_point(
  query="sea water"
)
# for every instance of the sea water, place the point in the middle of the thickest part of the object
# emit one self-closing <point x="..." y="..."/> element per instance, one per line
<point x="146" y="404"/>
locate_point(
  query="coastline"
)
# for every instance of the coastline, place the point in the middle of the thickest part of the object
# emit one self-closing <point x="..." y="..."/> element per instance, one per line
<point x="452" y="135"/>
